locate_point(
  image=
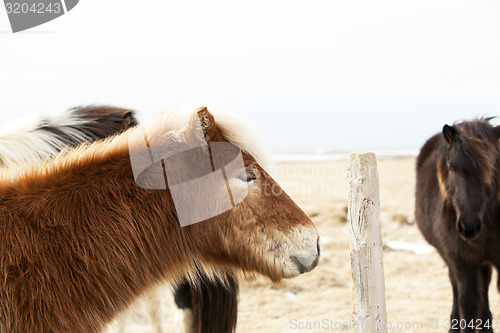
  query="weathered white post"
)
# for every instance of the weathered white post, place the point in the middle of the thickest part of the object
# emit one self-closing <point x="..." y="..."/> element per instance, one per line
<point x="368" y="285"/>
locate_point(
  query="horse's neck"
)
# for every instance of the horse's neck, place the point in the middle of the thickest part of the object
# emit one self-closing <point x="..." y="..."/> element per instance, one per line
<point x="80" y="238"/>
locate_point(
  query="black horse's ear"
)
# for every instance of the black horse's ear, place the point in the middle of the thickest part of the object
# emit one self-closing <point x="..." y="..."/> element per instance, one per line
<point x="496" y="130"/>
<point x="449" y="133"/>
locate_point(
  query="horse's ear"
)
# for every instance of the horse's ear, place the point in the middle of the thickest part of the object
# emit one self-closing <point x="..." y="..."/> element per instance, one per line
<point x="204" y="122"/>
<point x="496" y="130"/>
<point x="207" y="123"/>
<point x="449" y="133"/>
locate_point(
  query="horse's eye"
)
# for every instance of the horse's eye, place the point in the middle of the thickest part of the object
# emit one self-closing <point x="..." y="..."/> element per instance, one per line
<point x="450" y="168"/>
<point x="247" y="177"/>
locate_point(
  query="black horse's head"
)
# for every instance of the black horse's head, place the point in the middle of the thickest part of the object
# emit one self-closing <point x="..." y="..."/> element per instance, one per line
<point x="468" y="172"/>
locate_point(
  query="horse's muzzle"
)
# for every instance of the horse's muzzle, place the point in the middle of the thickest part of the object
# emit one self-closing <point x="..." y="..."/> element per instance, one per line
<point x="469" y="230"/>
<point x="307" y="262"/>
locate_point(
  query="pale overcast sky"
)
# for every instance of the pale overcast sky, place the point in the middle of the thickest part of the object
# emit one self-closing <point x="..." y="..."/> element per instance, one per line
<point x="336" y="74"/>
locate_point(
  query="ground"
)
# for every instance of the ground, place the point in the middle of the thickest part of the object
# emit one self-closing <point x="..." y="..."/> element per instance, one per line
<point x="418" y="292"/>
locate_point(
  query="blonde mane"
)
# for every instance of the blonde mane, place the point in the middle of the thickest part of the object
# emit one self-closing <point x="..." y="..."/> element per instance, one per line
<point x="233" y="128"/>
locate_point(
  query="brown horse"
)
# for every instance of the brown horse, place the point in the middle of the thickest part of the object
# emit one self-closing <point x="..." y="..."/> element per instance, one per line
<point x="81" y="240"/>
<point x="458" y="212"/>
<point x="212" y="301"/>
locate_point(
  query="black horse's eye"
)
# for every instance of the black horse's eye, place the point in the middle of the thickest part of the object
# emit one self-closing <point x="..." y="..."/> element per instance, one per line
<point x="247" y="177"/>
<point x="450" y="168"/>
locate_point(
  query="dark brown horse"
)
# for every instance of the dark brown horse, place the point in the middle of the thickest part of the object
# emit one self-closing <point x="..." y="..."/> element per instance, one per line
<point x="458" y="212"/>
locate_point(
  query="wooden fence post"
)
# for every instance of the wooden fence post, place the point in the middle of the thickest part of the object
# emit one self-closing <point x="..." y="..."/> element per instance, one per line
<point x="368" y="285"/>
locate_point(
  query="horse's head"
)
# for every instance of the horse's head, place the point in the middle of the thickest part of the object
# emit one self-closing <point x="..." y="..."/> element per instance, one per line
<point x="468" y="172"/>
<point x="259" y="227"/>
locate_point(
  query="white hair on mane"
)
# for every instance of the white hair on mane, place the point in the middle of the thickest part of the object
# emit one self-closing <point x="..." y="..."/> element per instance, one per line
<point x="23" y="142"/>
<point x="233" y="128"/>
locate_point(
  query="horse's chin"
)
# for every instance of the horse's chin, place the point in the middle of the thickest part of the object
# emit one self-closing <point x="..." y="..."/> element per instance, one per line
<point x="290" y="272"/>
<point x="469" y="239"/>
<point x="299" y="264"/>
